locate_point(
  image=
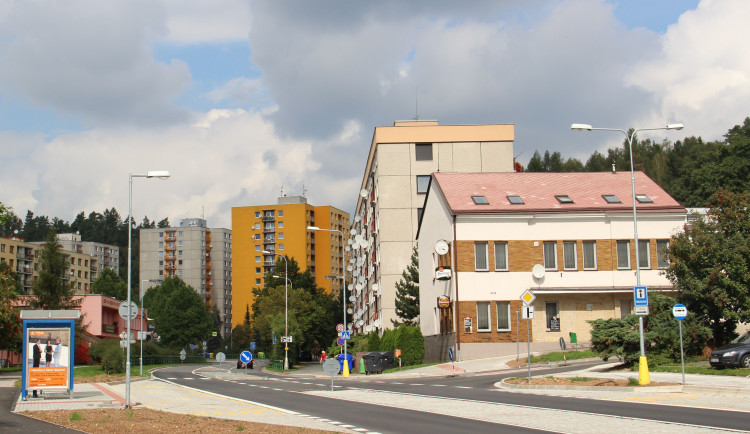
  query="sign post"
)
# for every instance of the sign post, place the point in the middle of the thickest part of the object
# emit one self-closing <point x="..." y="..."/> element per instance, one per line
<point x="680" y="312"/>
<point x="331" y="367"/>
<point x="527" y="298"/>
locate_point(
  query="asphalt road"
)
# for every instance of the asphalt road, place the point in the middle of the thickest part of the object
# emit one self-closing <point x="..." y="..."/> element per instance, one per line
<point x="12" y="422"/>
<point x="291" y="393"/>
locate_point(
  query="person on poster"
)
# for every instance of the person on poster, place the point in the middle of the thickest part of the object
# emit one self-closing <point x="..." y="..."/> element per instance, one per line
<point x="56" y="353"/>
<point x="37" y="357"/>
<point x="48" y="354"/>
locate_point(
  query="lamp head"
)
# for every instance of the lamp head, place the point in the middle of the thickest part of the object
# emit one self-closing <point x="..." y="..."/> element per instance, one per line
<point x="266" y="252"/>
<point x="313" y="228"/>
<point x="161" y="174"/>
<point x="675" y="126"/>
<point x="580" y="127"/>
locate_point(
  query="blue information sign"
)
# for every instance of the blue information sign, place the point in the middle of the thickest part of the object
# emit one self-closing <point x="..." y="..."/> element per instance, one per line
<point x="640" y="293"/>
<point x="246" y="356"/>
<point x="252" y="345"/>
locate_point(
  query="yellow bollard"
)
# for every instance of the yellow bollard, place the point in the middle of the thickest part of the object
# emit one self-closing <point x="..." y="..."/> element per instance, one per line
<point x="643" y="376"/>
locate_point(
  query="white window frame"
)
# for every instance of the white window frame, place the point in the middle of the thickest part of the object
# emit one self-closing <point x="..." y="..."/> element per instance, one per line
<point x="484" y="306"/>
<point x="566" y="246"/>
<point x="477" y="246"/>
<point x="426" y="181"/>
<point x="503" y="306"/>
<point x="626" y="256"/>
<point x="501" y="246"/>
<point x="554" y="256"/>
<point x="583" y="248"/>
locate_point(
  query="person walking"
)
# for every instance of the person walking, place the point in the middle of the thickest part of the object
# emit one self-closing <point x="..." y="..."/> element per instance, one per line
<point x="48" y="354"/>
<point x="37" y="358"/>
<point x="322" y="357"/>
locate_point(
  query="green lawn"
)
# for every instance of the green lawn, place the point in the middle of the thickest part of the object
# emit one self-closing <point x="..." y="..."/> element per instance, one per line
<point x="558" y="357"/>
<point x="701" y="369"/>
<point x="135" y="370"/>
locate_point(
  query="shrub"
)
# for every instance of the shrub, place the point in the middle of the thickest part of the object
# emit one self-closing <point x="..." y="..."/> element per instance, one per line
<point x="113" y="361"/>
<point x="373" y="341"/>
<point x="388" y="341"/>
<point x="410" y="341"/>
<point x="98" y="349"/>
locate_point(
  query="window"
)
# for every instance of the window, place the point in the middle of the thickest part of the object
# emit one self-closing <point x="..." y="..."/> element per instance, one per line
<point x="257" y="270"/>
<point x="589" y="255"/>
<point x="420" y="213"/>
<point x="423" y="183"/>
<point x="483" y="316"/>
<point x="179" y="244"/>
<point x="161" y="253"/>
<point x="281" y="225"/>
<point x="570" y="257"/>
<point x="503" y="316"/>
<point x="257" y="259"/>
<point x="611" y="198"/>
<point x="161" y="263"/>
<point x="642" y="198"/>
<point x="515" y="200"/>
<point x="161" y="234"/>
<point x="257" y="281"/>
<point x="550" y="255"/>
<point x="281" y="235"/>
<point x="281" y="213"/>
<point x="257" y="248"/>
<point x="161" y="272"/>
<point x="257" y="214"/>
<point x="644" y="258"/>
<point x="626" y="307"/>
<point x="480" y="200"/>
<point x="623" y="254"/>
<point x="179" y="233"/>
<point x="179" y="272"/>
<point x="564" y="198"/>
<point x="179" y="253"/>
<point x="2" y="247"/>
<point x="423" y="151"/>
<point x="480" y="256"/>
<point x="553" y="316"/>
<point x="501" y="256"/>
<point x="161" y="244"/>
<point x="661" y="253"/>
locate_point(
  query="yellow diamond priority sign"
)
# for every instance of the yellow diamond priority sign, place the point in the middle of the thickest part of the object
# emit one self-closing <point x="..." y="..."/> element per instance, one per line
<point x="528" y="297"/>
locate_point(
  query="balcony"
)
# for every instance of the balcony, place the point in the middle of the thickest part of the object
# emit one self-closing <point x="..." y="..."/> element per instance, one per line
<point x="269" y="230"/>
<point x="268" y="218"/>
<point x="270" y="263"/>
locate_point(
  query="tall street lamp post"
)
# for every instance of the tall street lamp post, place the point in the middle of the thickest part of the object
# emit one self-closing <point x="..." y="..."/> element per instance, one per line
<point x="161" y="174"/>
<point x="142" y="331"/>
<point x="643" y="374"/>
<point x="343" y="288"/>
<point x="286" y="308"/>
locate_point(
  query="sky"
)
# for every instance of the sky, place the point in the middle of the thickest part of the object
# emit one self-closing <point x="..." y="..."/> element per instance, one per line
<point x="245" y="100"/>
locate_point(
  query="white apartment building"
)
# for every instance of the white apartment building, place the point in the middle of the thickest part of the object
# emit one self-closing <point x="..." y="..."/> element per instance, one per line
<point x="401" y="159"/>
<point x="199" y="255"/>
<point x="106" y="255"/>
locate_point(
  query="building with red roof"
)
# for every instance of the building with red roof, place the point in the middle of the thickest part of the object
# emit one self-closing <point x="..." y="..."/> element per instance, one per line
<point x="482" y="234"/>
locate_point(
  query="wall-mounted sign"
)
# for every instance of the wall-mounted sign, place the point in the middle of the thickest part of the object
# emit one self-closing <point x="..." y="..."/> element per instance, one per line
<point x="444" y="302"/>
<point x="443" y="269"/>
<point x="442" y="273"/>
<point x="467" y="324"/>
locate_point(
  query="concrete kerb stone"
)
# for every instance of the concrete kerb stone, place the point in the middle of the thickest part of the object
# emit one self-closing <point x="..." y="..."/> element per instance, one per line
<point x="503" y="384"/>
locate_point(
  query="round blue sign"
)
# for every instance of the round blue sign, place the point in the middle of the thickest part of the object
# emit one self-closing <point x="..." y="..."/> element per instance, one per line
<point x="246" y="356"/>
<point x="679" y="311"/>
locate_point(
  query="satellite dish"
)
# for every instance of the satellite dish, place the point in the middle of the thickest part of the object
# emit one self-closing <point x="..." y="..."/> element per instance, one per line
<point x="349" y="268"/>
<point x="349" y="311"/>
<point x="357" y="218"/>
<point x="352" y="298"/>
<point x="363" y="192"/>
<point x="353" y="231"/>
<point x="537" y="271"/>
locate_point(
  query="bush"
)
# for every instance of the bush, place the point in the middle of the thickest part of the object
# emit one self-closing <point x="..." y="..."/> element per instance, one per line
<point x="388" y="341"/>
<point x="98" y="349"/>
<point x="373" y="341"/>
<point x="113" y="361"/>
<point x="410" y="341"/>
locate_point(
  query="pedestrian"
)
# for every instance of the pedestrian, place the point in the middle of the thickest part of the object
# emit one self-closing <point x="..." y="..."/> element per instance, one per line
<point x="322" y="357"/>
<point x="48" y="354"/>
<point x="56" y="353"/>
<point x="37" y="357"/>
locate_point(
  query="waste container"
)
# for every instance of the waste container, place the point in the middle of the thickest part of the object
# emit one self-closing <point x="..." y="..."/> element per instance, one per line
<point x="261" y="355"/>
<point x="349" y="358"/>
<point x="373" y="362"/>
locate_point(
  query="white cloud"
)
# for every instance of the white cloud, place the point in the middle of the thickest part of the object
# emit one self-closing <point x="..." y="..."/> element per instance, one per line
<point x="200" y="22"/>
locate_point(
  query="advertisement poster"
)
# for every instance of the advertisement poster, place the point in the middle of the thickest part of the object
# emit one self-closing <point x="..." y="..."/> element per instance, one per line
<point x="49" y="357"/>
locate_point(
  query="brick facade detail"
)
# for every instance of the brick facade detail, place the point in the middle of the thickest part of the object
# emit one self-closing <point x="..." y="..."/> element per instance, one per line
<point x="468" y="309"/>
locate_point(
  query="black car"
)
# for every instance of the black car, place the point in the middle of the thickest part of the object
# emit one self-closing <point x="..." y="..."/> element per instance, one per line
<point x="734" y="354"/>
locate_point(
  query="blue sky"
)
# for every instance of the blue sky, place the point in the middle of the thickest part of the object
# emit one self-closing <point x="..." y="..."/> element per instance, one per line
<point x="241" y="99"/>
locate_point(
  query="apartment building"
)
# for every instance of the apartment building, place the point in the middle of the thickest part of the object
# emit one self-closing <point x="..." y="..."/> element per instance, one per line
<point x="106" y="255"/>
<point x="567" y="238"/>
<point x="263" y="232"/>
<point x="199" y="255"/>
<point x="394" y="185"/>
<point x="22" y="256"/>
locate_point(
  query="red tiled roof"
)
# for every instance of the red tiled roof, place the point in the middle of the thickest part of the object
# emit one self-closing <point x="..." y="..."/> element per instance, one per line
<point x="538" y="191"/>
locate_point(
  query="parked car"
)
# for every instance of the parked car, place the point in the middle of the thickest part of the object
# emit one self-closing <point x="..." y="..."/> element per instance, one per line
<point x="734" y="354"/>
<point x="241" y="365"/>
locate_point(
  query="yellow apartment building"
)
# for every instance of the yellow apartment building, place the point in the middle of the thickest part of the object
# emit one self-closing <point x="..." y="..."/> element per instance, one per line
<point x="262" y="232"/>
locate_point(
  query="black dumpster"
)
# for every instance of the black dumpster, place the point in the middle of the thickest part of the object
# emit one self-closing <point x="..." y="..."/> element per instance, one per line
<point x="375" y="362"/>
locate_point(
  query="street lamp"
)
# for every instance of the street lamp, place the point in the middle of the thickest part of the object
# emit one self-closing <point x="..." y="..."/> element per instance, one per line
<point x="343" y="288"/>
<point x="286" y="308"/>
<point x="643" y="374"/>
<point x="142" y="335"/>
<point x="161" y="174"/>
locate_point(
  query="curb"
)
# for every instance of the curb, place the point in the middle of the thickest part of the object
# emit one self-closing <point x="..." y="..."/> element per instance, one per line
<point x="678" y="388"/>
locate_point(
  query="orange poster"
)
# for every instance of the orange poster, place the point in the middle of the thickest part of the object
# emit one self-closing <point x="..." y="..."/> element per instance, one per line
<point x="48" y="377"/>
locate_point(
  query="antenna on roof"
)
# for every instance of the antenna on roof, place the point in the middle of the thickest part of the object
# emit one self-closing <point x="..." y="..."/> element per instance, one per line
<point x="416" y="104"/>
<point x="281" y="193"/>
<point x="304" y="190"/>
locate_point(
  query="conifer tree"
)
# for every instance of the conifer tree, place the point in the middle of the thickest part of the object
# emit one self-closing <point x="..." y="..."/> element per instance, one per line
<point x="407" y="294"/>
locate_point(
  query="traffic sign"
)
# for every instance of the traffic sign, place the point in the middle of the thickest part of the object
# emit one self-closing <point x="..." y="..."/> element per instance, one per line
<point x="450" y="354"/>
<point x="252" y="346"/>
<point x="528" y="297"/>
<point x="345" y="335"/>
<point x="527" y="312"/>
<point x="679" y="311"/>
<point x="220" y="357"/>
<point x="340" y="328"/>
<point x="286" y="339"/>
<point x="331" y="366"/>
<point x="641" y="310"/>
<point x="246" y="357"/>
<point x="640" y="293"/>
<point x="340" y="342"/>
<point x="123" y="310"/>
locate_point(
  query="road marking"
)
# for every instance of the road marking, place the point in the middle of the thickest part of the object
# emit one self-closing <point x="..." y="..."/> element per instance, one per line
<point x="416" y="384"/>
<point x="396" y="383"/>
<point x="463" y="387"/>
<point x="438" y="385"/>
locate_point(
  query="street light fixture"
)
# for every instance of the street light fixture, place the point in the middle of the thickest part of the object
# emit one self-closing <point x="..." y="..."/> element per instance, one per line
<point x="343" y="288"/>
<point x="142" y="335"/>
<point x="161" y="174"/>
<point x="643" y="374"/>
<point x="286" y="308"/>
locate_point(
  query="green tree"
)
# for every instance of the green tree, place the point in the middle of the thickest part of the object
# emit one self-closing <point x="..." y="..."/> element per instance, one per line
<point x="53" y="289"/>
<point x="214" y="342"/>
<point x="242" y="335"/>
<point x="15" y="281"/>
<point x="709" y="263"/>
<point x="110" y="284"/>
<point x="180" y="314"/>
<point x="407" y="293"/>
<point x="10" y="321"/>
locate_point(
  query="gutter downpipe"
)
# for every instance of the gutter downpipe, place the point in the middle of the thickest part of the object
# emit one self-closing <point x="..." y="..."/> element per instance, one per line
<point x="455" y="303"/>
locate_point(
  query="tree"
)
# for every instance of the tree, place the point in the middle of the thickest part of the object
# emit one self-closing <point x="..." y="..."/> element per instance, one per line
<point x="214" y="342"/>
<point x="407" y="293"/>
<point x="180" y="314"/>
<point x="709" y="263"/>
<point x="10" y="320"/>
<point x="53" y="289"/>
<point x="110" y="284"/>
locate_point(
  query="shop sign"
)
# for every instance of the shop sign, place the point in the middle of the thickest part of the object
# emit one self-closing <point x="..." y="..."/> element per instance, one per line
<point x="444" y="302"/>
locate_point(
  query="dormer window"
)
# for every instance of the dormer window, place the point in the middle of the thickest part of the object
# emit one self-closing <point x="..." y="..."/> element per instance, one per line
<point x="563" y="198"/>
<point x="642" y="198"/>
<point x="480" y="200"/>
<point x="515" y="200"/>
<point x="611" y="198"/>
